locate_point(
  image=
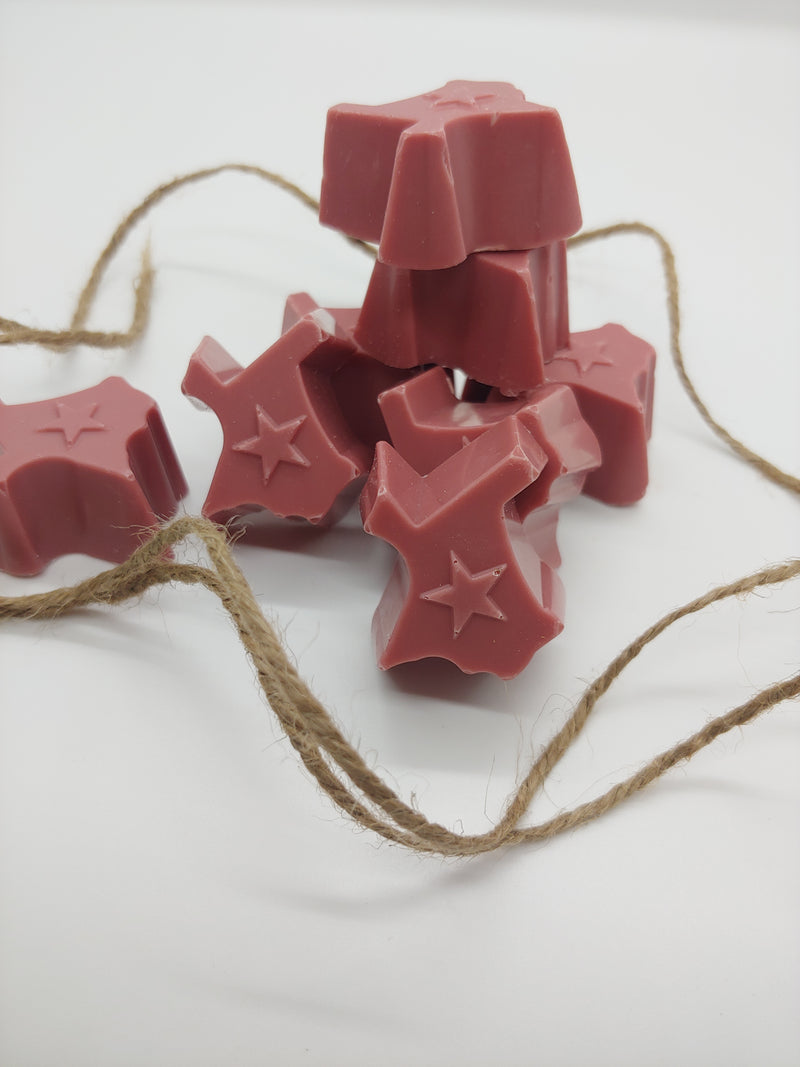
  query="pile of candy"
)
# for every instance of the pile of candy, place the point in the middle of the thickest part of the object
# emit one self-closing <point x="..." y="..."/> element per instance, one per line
<point x="469" y="194"/>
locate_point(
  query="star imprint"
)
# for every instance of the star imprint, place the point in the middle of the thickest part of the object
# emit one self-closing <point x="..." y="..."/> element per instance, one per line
<point x="585" y="357"/>
<point x="273" y="443"/>
<point x="468" y="593"/>
<point x="72" y="420"/>
<point x="460" y="96"/>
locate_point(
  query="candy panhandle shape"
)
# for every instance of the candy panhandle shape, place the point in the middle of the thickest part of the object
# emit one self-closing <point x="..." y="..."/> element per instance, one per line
<point x="287" y="447"/>
<point x="612" y="374"/>
<point x="498" y="316"/>
<point x="469" y="167"/>
<point x="469" y="586"/>
<point x="427" y="424"/>
<point x="89" y="472"/>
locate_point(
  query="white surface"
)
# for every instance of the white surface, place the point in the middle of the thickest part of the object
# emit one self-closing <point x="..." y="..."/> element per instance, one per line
<point x="174" y="890"/>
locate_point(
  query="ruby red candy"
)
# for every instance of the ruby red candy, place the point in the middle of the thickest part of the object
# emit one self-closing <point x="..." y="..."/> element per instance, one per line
<point x="427" y="424"/>
<point x="89" y="472"/>
<point x="498" y="316"/>
<point x="360" y="379"/>
<point x="287" y="447"/>
<point x="469" y="167"/>
<point x="468" y="585"/>
<point x="470" y="195"/>
<point x="612" y="374"/>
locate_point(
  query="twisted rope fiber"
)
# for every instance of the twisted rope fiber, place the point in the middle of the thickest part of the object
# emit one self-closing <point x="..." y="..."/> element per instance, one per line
<point x="17" y="333"/>
<point x="773" y="473"/>
<point x="325" y="752"/>
<point x="363" y="795"/>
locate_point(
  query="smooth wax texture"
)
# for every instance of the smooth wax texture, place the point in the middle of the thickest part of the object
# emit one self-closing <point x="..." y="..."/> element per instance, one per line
<point x="469" y="587"/>
<point x="469" y="167"/>
<point x="498" y="316"/>
<point x="89" y="472"/>
<point x="287" y="447"/>
<point x="612" y="373"/>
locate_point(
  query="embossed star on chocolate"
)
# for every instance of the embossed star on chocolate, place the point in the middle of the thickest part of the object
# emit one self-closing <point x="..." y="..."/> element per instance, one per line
<point x="287" y="447"/>
<point x="468" y="587"/>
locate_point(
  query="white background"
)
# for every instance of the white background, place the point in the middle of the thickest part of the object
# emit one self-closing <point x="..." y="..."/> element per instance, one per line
<point x="174" y="890"/>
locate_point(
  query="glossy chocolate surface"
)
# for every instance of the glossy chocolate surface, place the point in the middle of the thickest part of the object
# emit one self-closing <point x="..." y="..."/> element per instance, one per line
<point x="90" y="472"/>
<point x="469" y="167"/>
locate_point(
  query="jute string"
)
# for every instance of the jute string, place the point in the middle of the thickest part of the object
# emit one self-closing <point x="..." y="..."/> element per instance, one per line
<point x="333" y="761"/>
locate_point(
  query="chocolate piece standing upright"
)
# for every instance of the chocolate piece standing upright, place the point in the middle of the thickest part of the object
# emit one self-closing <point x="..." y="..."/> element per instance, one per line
<point x="611" y="372"/>
<point x="287" y="447"/>
<point x="468" y="586"/>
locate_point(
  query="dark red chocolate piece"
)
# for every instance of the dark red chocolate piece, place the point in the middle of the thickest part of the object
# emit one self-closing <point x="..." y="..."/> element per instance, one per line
<point x="469" y="587"/>
<point x="499" y="316"/>
<point x="287" y="446"/>
<point x="427" y="424"/>
<point x="89" y="472"/>
<point x="358" y="382"/>
<point x="469" y="167"/>
<point x="612" y="373"/>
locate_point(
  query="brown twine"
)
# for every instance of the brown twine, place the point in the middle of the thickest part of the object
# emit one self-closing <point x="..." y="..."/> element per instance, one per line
<point x="336" y="765"/>
<point x="16" y="333"/>
<point x="773" y="473"/>
<point x="324" y="750"/>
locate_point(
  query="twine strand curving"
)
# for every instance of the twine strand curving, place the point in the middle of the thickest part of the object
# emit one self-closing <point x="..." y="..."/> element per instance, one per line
<point x="16" y="333"/>
<point x="337" y="766"/>
<point x="334" y="763"/>
<point x="767" y="469"/>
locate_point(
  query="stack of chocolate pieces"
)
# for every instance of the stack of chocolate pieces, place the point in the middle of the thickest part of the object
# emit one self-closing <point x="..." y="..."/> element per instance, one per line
<point x="469" y="194"/>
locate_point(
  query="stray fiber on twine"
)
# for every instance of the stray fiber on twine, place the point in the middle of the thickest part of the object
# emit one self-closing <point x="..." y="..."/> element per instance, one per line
<point x="333" y="761"/>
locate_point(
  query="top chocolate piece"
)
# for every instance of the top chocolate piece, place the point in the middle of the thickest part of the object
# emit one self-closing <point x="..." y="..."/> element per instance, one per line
<point x="467" y="168"/>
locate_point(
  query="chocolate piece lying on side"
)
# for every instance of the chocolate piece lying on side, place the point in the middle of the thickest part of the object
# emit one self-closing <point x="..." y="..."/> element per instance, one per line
<point x="470" y="167"/>
<point x="498" y="316"/>
<point x="90" y="472"/>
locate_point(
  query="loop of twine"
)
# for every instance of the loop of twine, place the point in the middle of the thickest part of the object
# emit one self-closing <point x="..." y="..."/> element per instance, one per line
<point x="337" y="766"/>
